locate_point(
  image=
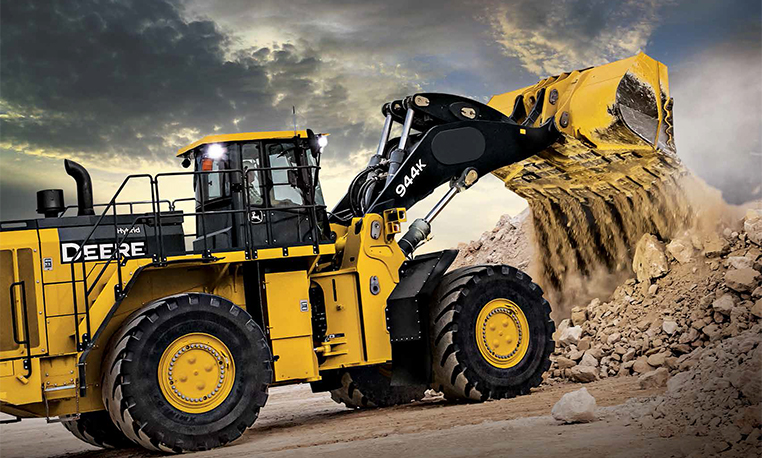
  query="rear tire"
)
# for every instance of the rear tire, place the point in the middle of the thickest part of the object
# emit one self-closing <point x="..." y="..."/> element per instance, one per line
<point x="135" y="385"/>
<point x="96" y="428"/>
<point x="461" y="369"/>
<point x="370" y="387"/>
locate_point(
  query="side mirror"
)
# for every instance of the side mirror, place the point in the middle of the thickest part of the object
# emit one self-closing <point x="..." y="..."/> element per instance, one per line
<point x="186" y="162"/>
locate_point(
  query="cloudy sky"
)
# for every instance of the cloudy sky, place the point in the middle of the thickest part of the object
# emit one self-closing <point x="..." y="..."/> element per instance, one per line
<point x="121" y="85"/>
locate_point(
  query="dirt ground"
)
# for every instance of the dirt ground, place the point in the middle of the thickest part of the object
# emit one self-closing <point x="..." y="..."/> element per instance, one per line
<point x="297" y="422"/>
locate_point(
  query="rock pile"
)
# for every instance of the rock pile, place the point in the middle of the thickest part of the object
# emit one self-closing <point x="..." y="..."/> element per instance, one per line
<point x="507" y="243"/>
<point x="688" y="294"/>
<point x="718" y="393"/>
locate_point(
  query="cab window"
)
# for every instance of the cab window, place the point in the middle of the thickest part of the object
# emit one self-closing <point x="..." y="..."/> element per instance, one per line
<point x="285" y="189"/>
<point x="250" y="155"/>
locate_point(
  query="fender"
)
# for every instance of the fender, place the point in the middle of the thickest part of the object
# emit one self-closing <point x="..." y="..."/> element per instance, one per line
<point x="407" y="316"/>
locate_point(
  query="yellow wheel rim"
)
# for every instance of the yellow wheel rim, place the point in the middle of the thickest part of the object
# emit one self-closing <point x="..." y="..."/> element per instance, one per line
<point x="502" y="333"/>
<point x="196" y="373"/>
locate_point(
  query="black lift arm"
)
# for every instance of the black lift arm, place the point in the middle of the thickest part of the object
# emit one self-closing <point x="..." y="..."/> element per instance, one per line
<point x="460" y="140"/>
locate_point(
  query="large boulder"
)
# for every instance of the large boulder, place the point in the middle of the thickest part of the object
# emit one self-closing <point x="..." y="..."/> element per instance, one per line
<point x="577" y="406"/>
<point x="654" y="379"/>
<point x="584" y="374"/>
<point x="570" y="336"/>
<point x="649" y="261"/>
<point x="724" y="304"/>
<point x="742" y="280"/>
<point x="681" y="250"/>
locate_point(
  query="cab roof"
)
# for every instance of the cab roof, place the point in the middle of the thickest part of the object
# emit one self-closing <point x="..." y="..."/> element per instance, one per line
<point x="240" y="137"/>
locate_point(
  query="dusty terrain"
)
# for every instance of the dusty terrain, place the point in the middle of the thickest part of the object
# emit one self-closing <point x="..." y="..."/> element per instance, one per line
<point x="297" y="422"/>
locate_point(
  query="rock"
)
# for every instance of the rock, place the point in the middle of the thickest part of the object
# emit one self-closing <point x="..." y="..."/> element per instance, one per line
<point x="584" y="374"/>
<point x="653" y="289"/>
<point x="588" y="360"/>
<point x="641" y="365"/>
<point x="649" y="261"/>
<point x="577" y="406"/>
<point x="756" y="309"/>
<point x="724" y="304"/>
<point x="629" y="355"/>
<point x="752" y="224"/>
<point x="578" y="316"/>
<point x="712" y="331"/>
<point x="614" y="338"/>
<point x="657" y="359"/>
<point x="669" y="327"/>
<point x="739" y="262"/>
<point x="757" y="293"/>
<point x="584" y="344"/>
<point x="681" y="250"/>
<point x="681" y="348"/>
<point x="565" y="363"/>
<point x="576" y="355"/>
<point x="742" y="280"/>
<point x="715" y="246"/>
<point x="570" y="336"/>
<point x="654" y="379"/>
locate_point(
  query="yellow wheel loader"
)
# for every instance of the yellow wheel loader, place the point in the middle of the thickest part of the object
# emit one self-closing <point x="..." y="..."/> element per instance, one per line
<point x="166" y="328"/>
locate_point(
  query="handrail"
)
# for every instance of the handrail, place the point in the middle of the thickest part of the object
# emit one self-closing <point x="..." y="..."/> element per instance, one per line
<point x="155" y="214"/>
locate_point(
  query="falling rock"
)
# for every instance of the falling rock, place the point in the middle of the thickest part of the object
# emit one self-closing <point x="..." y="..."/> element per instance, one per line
<point x="715" y="246"/>
<point x="669" y="327"/>
<point x="584" y="374"/>
<point x="649" y="260"/>
<point x="681" y="250"/>
<point x="724" y="304"/>
<point x="742" y="280"/>
<point x="570" y="336"/>
<point x="654" y="379"/>
<point x="578" y="315"/>
<point x="752" y="224"/>
<point x="577" y="406"/>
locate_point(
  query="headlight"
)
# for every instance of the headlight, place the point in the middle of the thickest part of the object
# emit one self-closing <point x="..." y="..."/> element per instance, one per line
<point x="215" y="151"/>
<point x="322" y="141"/>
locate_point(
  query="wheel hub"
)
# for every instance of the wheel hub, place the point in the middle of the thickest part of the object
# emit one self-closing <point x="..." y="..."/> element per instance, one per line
<point x="502" y="333"/>
<point x="196" y="373"/>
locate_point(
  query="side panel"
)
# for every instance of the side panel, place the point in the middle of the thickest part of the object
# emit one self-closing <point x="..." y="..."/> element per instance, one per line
<point x="343" y="317"/>
<point x="20" y="275"/>
<point x="290" y="325"/>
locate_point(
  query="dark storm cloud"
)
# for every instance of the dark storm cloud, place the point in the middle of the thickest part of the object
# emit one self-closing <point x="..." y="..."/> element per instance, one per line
<point x="104" y="78"/>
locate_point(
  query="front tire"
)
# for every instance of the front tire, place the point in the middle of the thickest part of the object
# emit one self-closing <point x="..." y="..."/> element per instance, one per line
<point x="185" y="373"/>
<point x="491" y="334"/>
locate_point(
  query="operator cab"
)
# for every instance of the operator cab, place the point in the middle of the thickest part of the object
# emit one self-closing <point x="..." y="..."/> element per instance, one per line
<point x="259" y="189"/>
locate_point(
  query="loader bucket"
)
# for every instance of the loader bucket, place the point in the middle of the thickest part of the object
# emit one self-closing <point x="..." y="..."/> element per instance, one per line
<point x="616" y="125"/>
<point x="611" y="177"/>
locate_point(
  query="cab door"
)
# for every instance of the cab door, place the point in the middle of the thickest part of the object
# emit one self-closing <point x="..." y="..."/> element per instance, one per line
<point x="22" y="317"/>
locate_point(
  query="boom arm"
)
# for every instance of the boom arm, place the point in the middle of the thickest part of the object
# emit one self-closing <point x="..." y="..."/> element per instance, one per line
<point x="458" y="135"/>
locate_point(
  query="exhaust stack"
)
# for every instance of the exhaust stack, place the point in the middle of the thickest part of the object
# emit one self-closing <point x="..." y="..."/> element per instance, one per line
<point x="84" y="187"/>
